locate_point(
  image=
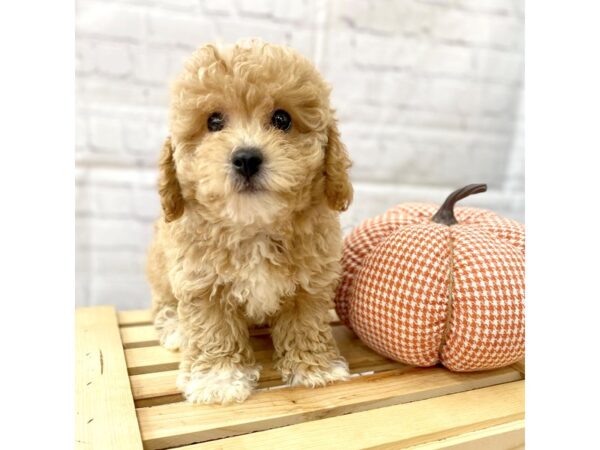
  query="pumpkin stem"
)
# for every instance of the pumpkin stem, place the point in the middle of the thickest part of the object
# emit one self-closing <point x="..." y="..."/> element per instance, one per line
<point x="445" y="214"/>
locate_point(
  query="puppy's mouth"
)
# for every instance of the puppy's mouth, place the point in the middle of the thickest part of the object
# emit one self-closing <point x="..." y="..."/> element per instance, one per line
<point x="247" y="185"/>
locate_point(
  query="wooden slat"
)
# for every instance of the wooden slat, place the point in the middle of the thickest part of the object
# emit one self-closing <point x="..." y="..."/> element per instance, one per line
<point x="156" y="359"/>
<point x="134" y="317"/>
<point x="157" y="384"/>
<point x="136" y="336"/>
<point x="181" y="423"/>
<point x="145" y="336"/>
<point x="137" y="331"/>
<point x="150" y="359"/>
<point x="507" y="436"/>
<point x="151" y="389"/>
<point x="139" y="336"/>
<point x="520" y="366"/>
<point x="398" y="426"/>
<point x="105" y="412"/>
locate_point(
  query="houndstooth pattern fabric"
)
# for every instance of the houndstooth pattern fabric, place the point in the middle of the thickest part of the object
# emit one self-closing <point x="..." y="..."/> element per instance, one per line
<point x="422" y="293"/>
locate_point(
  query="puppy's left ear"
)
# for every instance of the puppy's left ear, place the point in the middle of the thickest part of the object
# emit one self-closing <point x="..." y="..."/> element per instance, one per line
<point x="171" y="199"/>
<point x="338" y="189"/>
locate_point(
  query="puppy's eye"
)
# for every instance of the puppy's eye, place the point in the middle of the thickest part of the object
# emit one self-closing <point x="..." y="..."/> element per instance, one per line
<point x="215" y="122"/>
<point x="281" y="120"/>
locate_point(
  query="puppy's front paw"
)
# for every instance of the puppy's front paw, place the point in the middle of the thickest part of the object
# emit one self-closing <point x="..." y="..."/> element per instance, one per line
<point x="314" y="376"/>
<point x="221" y="385"/>
<point x="183" y="378"/>
<point x="171" y="340"/>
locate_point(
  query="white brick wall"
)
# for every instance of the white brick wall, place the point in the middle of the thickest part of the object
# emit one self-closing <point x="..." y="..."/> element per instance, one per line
<point x="428" y="93"/>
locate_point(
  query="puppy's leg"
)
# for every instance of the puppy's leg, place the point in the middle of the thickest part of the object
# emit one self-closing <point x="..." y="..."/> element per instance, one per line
<point x="164" y="303"/>
<point x="218" y="364"/>
<point x="164" y="311"/>
<point x="305" y="349"/>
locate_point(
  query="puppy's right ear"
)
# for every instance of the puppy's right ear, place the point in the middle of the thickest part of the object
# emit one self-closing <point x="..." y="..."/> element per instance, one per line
<point x="168" y="186"/>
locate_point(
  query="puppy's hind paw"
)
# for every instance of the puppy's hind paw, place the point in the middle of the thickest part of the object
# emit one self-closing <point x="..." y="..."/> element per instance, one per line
<point x="314" y="376"/>
<point x="221" y="385"/>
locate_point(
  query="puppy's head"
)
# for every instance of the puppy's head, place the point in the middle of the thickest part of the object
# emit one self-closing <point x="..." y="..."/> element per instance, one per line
<point x="253" y="138"/>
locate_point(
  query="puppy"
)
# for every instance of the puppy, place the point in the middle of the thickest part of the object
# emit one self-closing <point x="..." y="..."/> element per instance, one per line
<point x="251" y="181"/>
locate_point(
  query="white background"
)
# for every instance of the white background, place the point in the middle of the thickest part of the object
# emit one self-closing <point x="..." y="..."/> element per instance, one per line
<point x="428" y="95"/>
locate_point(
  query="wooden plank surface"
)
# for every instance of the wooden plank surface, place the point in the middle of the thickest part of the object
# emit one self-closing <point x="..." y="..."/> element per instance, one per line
<point x="398" y="426"/>
<point x="138" y="331"/>
<point x="158" y="388"/>
<point x="134" y="317"/>
<point x="520" y="366"/>
<point x="139" y="336"/>
<point x="181" y="423"/>
<point x="105" y="412"/>
<point x="153" y="369"/>
<point x="155" y="359"/>
<point x="144" y="316"/>
<point x="506" y="436"/>
<point x="136" y="336"/>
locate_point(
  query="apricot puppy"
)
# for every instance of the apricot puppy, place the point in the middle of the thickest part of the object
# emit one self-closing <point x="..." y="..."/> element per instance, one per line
<point x="251" y="181"/>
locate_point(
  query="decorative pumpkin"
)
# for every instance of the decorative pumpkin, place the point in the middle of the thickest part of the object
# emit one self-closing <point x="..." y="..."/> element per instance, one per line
<point x="424" y="287"/>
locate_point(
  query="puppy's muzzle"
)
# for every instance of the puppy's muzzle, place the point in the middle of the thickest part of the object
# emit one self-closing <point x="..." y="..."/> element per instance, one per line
<point x="247" y="161"/>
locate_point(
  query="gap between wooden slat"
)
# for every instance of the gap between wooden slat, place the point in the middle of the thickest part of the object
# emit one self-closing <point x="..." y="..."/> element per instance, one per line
<point x="399" y="426"/>
<point x="137" y="329"/>
<point x="157" y="359"/>
<point x="162" y="383"/>
<point x="159" y="388"/>
<point x="181" y="423"/>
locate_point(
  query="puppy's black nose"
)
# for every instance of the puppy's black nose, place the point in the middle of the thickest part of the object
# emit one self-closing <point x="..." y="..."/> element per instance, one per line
<point x="247" y="161"/>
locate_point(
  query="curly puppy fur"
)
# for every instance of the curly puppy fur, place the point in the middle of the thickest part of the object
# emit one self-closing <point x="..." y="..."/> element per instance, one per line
<point x="225" y="257"/>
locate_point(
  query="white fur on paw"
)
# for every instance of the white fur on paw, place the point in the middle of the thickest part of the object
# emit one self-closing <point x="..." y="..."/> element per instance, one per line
<point x="221" y="385"/>
<point x="314" y="376"/>
<point x="172" y="340"/>
<point x="182" y="380"/>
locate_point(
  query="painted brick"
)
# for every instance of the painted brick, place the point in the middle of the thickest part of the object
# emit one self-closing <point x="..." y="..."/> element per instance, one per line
<point x="256" y="8"/>
<point x="160" y="65"/>
<point x="497" y="65"/>
<point x="125" y="292"/>
<point x="113" y="21"/>
<point x="500" y="7"/>
<point x="146" y="203"/>
<point x="231" y="30"/>
<point x="106" y="134"/>
<point x="114" y="58"/>
<point x="117" y="234"/>
<point x="145" y="137"/>
<point x="84" y="57"/>
<point x="219" y="7"/>
<point x="179" y="5"/>
<point x="423" y="157"/>
<point x="179" y="29"/>
<point x="118" y="262"/>
<point x="297" y="11"/>
<point x="408" y="53"/>
<point x="497" y="32"/>
<point x="111" y="201"/>
<point x="81" y="130"/>
<point x="304" y="41"/>
<point x="97" y="90"/>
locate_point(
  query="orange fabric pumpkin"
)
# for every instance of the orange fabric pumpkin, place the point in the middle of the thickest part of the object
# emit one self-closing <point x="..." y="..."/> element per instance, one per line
<point x="423" y="287"/>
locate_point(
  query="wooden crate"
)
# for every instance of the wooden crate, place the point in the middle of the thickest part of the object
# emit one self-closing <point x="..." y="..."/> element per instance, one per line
<point x="126" y="399"/>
